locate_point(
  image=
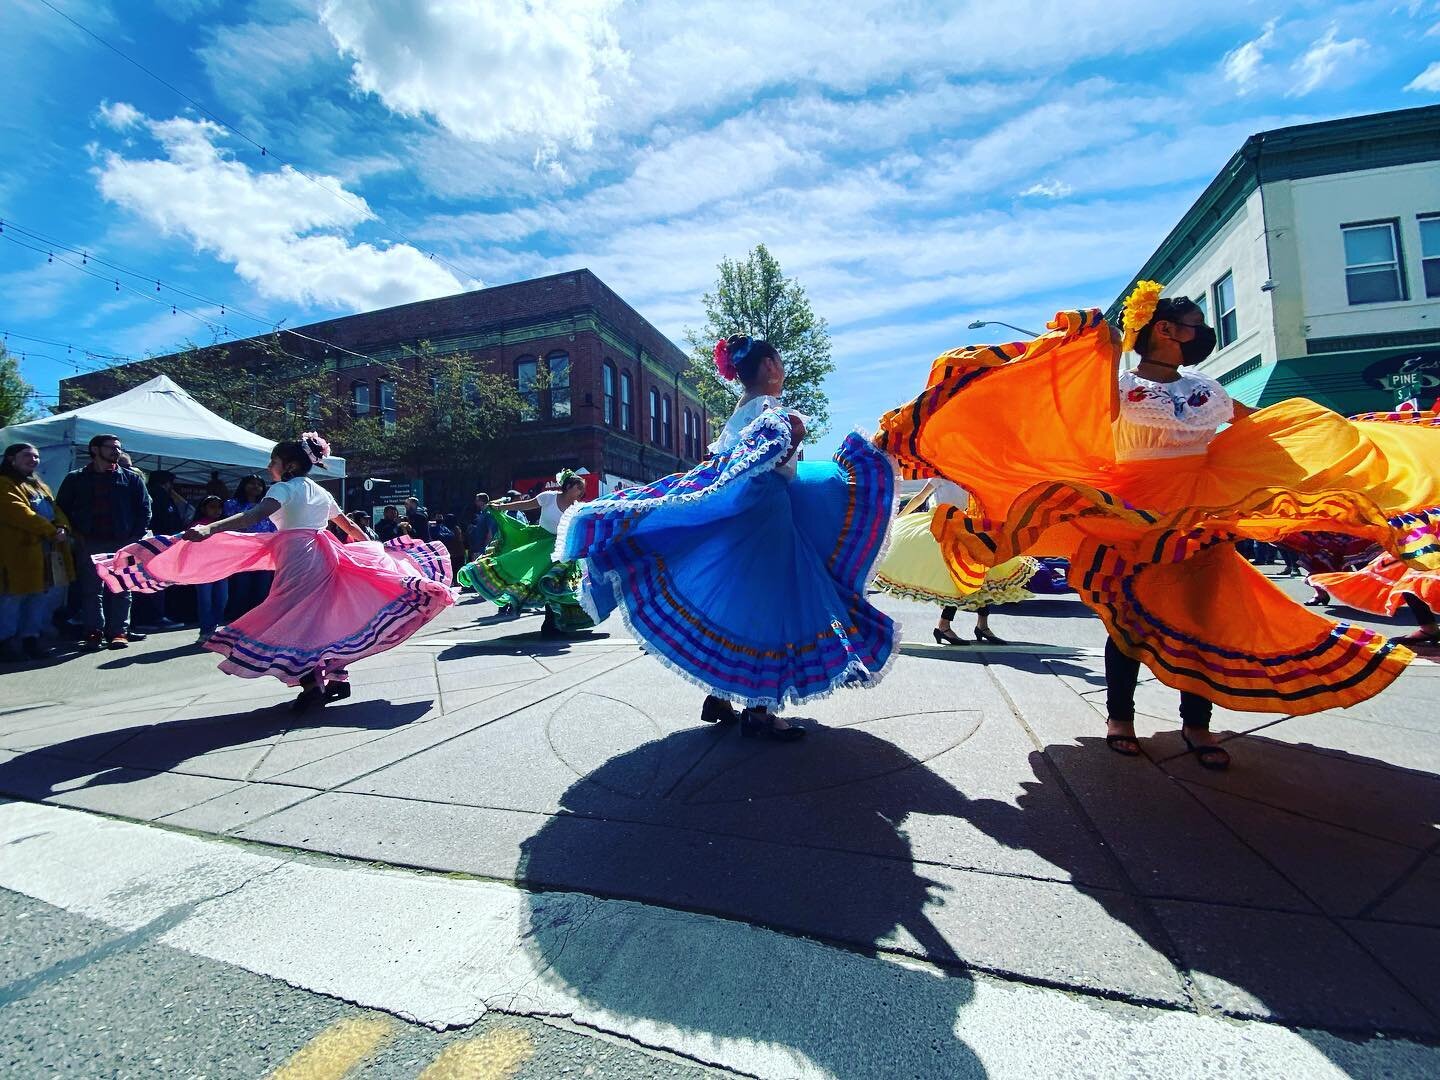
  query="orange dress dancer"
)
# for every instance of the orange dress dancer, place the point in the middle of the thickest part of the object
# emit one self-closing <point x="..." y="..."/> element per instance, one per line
<point x="1028" y="428"/>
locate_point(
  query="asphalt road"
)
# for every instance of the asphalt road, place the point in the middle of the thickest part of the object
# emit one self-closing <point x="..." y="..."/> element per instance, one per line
<point x="82" y="1000"/>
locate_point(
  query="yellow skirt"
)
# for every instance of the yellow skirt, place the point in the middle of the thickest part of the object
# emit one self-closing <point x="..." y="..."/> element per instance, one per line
<point x="1026" y="429"/>
<point x="915" y="569"/>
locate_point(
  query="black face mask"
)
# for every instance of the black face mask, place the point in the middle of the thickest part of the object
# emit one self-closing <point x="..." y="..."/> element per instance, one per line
<point x="1198" y="347"/>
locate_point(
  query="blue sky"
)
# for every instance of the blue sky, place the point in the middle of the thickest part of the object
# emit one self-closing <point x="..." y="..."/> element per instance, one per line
<point x="917" y="166"/>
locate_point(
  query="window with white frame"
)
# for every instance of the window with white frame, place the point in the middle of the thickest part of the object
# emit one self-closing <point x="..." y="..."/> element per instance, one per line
<point x="387" y="401"/>
<point x="1203" y="303"/>
<point x="608" y="377"/>
<point x="360" y="399"/>
<point x="1430" y="252"/>
<point x="525" y="382"/>
<point x="557" y="378"/>
<point x="655" y="416"/>
<point x="627" y="406"/>
<point x="1227" y="324"/>
<point x="1373" y="274"/>
<point x="666" y="424"/>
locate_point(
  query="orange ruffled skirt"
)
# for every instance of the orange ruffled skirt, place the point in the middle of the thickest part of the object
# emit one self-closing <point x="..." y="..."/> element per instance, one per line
<point x="1381" y="585"/>
<point x="1026" y="429"/>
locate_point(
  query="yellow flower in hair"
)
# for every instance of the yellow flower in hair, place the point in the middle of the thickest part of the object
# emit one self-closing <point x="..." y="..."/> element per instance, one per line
<point x="1139" y="309"/>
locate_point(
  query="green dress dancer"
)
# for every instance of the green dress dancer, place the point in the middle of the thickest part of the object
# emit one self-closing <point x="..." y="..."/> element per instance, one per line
<point x="518" y="569"/>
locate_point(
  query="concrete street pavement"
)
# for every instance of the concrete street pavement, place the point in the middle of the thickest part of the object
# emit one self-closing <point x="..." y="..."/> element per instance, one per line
<point x="965" y="815"/>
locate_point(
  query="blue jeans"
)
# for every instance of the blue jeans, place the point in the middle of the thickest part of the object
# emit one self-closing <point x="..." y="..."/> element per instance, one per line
<point x="28" y="615"/>
<point x="210" y="605"/>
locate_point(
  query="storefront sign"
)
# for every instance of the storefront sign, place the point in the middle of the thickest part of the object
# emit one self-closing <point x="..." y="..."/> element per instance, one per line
<point x="529" y="485"/>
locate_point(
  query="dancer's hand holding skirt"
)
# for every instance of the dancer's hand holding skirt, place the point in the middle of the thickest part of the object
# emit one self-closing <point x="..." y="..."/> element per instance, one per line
<point x="1026" y="429"/>
<point x="330" y="605"/>
<point x="751" y="585"/>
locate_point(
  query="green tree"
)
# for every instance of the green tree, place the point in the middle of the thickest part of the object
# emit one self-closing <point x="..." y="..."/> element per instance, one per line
<point x="17" y="397"/>
<point x="449" y="409"/>
<point x="263" y="386"/>
<point x="753" y="296"/>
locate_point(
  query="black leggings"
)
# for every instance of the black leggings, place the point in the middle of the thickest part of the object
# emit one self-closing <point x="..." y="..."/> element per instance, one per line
<point x="1121" y="676"/>
<point x="1421" y="610"/>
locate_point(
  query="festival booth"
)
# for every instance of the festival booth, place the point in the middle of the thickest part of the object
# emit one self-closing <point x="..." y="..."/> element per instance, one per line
<point x="161" y="427"/>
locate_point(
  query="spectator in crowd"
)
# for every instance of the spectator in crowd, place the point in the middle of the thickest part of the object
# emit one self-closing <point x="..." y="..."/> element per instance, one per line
<point x="249" y="588"/>
<point x="108" y="507"/>
<point x="388" y="527"/>
<point x="519" y="515"/>
<point x="362" y="522"/>
<point x="418" y="518"/>
<point x="479" y="526"/>
<point x="447" y="531"/>
<point x="35" y="560"/>
<point x="216" y="486"/>
<point x="210" y="598"/>
<point x="169" y="514"/>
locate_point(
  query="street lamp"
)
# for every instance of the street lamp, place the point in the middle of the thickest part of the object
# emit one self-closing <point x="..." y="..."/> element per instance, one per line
<point x="978" y="323"/>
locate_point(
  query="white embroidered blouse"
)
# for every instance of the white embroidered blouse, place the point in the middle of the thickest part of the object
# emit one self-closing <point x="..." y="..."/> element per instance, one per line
<point x="742" y="418"/>
<point x="1169" y="419"/>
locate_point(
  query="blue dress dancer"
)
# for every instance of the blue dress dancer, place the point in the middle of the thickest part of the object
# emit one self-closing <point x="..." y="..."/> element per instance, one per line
<point x="747" y="574"/>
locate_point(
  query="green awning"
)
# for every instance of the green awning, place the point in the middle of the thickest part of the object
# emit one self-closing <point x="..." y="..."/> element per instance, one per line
<point x="1348" y="382"/>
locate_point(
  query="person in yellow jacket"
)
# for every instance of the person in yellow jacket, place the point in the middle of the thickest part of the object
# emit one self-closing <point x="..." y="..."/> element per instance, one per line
<point x="36" y="564"/>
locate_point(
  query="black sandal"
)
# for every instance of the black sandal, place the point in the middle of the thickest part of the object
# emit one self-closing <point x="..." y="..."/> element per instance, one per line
<point x="757" y="721"/>
<point x="1115" y="742"/>
<point x="1214" y="758"/>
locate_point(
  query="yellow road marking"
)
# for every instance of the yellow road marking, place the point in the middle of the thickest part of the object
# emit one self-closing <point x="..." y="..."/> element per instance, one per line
<point x="337" y="1049"/>
<point x="496" y="1055"/>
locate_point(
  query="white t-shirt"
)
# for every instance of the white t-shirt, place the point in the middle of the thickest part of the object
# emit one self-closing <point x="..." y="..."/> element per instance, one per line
<point x="550" y="512"/>
<point x="304" y="504"/>
<point x="743" y="417"/>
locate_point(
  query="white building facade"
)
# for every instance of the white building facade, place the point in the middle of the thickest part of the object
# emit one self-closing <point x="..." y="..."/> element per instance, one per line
<point x="1316" y="256"/>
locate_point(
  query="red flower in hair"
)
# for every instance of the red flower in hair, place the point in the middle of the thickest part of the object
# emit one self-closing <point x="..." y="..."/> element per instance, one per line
<point x="723" y="364"/>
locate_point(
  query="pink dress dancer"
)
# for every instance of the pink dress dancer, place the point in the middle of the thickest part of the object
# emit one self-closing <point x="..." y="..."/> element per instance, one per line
<point x="331" y="603"/>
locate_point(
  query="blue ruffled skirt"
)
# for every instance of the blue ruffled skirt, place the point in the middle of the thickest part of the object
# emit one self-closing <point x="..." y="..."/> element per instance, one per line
<point x="746" y="583"/>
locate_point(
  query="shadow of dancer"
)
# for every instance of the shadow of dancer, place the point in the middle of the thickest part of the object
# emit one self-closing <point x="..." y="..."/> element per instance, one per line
<point x="809" y="843"/>
<point x="120" y="755"/>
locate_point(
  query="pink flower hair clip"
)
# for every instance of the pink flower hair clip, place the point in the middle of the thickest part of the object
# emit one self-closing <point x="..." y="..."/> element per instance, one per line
<point x="315" y="446"/>
<point x="723" y="364"/>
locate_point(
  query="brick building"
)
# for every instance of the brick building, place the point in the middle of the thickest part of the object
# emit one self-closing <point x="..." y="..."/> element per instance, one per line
<point x="613" y="397"/>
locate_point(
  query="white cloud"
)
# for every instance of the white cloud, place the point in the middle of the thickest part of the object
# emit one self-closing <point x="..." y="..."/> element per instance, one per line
<point x="283" y="234"/>
<point x="1427" y="81"/>
<point x="1323" y="60"/>
<point x="1049" y="189"/>
<point x="120" y="116"/>
<point x="1242" y="66"/>
<point x="484" y="70"/>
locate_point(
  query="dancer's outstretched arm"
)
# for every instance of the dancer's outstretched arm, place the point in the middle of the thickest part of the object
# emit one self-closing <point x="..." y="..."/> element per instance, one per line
<point x="263" y="509"/>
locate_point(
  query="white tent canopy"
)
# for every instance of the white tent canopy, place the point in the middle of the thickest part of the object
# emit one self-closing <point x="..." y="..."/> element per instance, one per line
<point x="161" y="427"/>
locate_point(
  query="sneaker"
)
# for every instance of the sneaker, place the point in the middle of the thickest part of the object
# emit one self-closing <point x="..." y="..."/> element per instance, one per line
<point x="94" y="641"/>
<point x="119" y="641"/>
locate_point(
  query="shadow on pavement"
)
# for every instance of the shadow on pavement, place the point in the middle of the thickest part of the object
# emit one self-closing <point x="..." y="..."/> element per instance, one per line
<point x="116" y="755"/>
<point x="1300" y="966"/>
<point x="686" y="869"/>
<point x="154" y="656"/>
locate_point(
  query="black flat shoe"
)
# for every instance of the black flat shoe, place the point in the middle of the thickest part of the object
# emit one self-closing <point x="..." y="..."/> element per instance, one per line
<point x="1214" y="758"/>
<point x="337" y="691"/>
<point x="986" y="635"/>
<point x="717" y="710"/>
<point x="755" y="722"/>
<point x="948" y="637"/>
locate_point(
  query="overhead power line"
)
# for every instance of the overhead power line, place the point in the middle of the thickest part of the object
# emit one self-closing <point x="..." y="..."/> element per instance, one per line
<point x="265" y="151"/>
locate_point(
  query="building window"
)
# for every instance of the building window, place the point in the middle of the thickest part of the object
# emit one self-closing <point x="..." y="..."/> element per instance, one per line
<point x="1372" y="263"/>
<point x="667" y="424"/>
<point x="1430" y="253"/>
<point x="608" y="379"/>
<point x="360" y="399"/>
<point x="557" y="385"/>
<point x="387" y="401"/>
<point x="1227" y="327"/>
<point x="627" y="403"/>
<point x="312" y="407"/>
<point x="525" y="369"/>
<point x="1203" y="303"/>
<point x="685" y="428"/>
<point x="655" y="416"/>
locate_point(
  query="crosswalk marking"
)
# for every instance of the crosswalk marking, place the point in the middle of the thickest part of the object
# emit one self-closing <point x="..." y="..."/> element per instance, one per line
<point x="496" y="1055"/>
<point x="337" y="1049"/>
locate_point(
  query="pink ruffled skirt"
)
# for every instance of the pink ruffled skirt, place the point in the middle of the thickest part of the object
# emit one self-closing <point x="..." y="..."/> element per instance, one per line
<point x="331" y="603"/>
